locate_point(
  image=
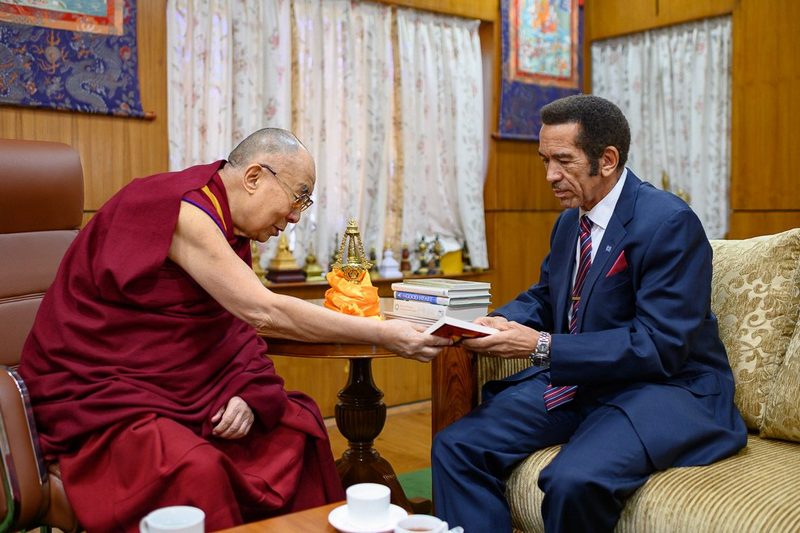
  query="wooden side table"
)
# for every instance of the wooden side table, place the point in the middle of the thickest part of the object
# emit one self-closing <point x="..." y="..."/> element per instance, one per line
<point x="360" y="415"/>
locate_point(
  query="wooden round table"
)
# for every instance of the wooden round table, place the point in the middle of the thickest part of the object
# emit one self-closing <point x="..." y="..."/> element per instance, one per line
<point x="360" y="415"/>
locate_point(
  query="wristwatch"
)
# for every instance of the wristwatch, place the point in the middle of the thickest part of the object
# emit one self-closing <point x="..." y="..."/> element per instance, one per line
<point x="540" y="356"/>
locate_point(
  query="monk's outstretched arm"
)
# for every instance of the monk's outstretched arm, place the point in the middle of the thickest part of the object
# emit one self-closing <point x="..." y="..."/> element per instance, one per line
<point x="201" y="250"/>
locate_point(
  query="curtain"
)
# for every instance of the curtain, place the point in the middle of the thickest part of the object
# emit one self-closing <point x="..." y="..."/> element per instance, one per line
<point x="228" y="75"/>
<point x="343" y="112"/>
<point x="673" y="84"/>
<point x="355" y="85"/>
<point x="442" y="141"/>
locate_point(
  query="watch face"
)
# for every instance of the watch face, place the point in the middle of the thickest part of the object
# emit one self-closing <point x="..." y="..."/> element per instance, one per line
<point x="543" y="344"/>
<point x="540" y="360"/>
<point x="542" y="348"/>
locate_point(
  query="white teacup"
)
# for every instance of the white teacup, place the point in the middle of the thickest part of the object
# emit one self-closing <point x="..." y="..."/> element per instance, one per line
<point x="368" y="505"/>
<point x="421" y="523"/>
<point x="175" y="519"/>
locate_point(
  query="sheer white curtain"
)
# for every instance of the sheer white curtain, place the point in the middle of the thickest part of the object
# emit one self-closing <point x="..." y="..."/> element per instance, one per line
<point x="442" y="130"/>
<point x="673" y="84"/>
<point x="344" y="108"/>
<point x="228" y="75"/>
<point x="236" y="66"/>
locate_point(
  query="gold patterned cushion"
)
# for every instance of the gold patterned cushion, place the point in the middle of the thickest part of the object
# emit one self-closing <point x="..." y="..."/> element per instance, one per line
<point x="755" y="490"/>
<point x="782" y="417"/>
<point x="755" y="294"/>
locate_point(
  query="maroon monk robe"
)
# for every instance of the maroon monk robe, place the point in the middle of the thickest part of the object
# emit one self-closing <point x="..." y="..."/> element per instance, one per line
<point x="128" y="360"/>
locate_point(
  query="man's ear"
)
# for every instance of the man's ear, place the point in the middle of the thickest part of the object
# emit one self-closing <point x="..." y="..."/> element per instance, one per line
<point x="252" y="175"/>
<point x="608" y="161"/>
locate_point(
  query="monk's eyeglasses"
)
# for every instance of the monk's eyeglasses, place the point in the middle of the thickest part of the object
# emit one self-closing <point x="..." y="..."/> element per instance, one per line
<point x="301" y="201"/>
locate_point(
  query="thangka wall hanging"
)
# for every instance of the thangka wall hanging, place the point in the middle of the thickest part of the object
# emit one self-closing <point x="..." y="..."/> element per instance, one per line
<point x="76" y="55"/>
<point x="542" y="61"/>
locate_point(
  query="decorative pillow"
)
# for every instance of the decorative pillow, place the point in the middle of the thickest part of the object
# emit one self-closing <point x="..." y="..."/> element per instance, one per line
<point x="755" y="294"/>
<point x="782" y="416"/>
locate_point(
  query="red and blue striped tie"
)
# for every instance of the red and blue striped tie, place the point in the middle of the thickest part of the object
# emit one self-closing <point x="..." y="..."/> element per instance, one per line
<point x="555" y="396"/>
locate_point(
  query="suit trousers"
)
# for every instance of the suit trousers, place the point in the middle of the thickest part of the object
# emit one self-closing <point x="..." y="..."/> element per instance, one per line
<point x="602" y="461"/>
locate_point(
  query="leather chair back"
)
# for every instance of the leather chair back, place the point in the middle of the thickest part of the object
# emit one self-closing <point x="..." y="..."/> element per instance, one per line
<point x="41" y="209"/>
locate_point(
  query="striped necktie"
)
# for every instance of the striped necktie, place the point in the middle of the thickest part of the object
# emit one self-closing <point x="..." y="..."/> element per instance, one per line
<point x="555" y="396"/>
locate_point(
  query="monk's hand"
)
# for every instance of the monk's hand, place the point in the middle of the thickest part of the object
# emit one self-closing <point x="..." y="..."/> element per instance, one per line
<point x="408" y="340"/>
<point x="234" y="420"/>
<point x="513" y="340"/>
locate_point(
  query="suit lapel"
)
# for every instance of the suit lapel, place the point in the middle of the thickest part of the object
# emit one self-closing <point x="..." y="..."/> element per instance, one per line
<point x="562" y="264"/>
<point x="613" y="241"/>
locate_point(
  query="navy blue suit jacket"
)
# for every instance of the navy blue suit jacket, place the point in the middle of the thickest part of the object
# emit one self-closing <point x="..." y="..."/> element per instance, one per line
<point x="647" y="340"/>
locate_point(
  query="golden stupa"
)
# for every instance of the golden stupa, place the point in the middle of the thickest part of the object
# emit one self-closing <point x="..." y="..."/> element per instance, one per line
<point x="351" y="289"/>
<point x="312" y="268"/>
<point x="283" y="267"/>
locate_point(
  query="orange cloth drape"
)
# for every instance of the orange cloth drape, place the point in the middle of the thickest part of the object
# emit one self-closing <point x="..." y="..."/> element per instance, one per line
<point x="357" y="299"/>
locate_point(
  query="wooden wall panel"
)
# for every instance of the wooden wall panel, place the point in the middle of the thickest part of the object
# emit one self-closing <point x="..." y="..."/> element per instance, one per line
<point x="519" y="241"/>
<point x="401" y="380"/>
<point x="764" y="146"/>
<point x="765" y="40"/>
<point x="519" y="178"/>
<point x="746" y="224"/>
<point x="766" y="111"/>
<point x="611" y="18"/>
<point x="488" y="10"/>
<point x="319" y="378"/>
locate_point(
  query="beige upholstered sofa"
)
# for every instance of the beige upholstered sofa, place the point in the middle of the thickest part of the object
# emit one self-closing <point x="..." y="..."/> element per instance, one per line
<point x="756" y="296"/>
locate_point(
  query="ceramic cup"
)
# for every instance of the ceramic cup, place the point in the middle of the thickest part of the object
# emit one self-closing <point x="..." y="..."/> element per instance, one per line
<point x="421" y="523"/>
<point x="368" y="505"/>
<point x="175" y="519"/>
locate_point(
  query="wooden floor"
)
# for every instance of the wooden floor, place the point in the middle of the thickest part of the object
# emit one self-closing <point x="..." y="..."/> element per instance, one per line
<point x="405" y="440"/>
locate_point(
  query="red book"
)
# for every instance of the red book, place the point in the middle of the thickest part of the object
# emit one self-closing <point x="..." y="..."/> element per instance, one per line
<point x="456" y="329"/>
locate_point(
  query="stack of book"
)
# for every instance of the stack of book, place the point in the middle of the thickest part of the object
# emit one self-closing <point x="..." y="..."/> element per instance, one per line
<point x="426" y="300"/>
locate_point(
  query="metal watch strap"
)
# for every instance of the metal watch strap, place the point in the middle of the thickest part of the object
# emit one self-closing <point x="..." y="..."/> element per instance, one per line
<point x="541" y="354"/>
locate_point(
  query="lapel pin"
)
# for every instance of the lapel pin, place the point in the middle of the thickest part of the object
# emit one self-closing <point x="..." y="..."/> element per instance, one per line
<point x="608" y="248"/>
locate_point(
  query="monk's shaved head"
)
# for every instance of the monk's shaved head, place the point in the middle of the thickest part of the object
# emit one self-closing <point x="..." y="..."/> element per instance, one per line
<point x="264" y="141"/>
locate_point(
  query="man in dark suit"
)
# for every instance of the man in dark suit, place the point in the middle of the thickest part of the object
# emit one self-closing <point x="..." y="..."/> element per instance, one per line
<point x="628" y="371"/>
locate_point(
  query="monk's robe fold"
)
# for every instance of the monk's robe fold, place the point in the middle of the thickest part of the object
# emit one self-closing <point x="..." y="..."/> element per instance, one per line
<point x="125" y="337"/>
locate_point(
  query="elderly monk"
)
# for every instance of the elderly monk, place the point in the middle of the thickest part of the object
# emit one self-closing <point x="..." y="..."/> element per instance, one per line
<point x="145" y="368"/>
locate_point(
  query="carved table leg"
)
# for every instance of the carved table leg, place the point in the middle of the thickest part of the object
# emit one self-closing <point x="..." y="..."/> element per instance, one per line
<point x="360" y="416"/>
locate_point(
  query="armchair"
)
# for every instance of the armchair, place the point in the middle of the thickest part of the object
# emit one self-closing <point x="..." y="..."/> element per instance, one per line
<point x="41" y="208"/>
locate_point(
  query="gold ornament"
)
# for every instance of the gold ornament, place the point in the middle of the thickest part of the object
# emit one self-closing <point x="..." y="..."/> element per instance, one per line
<point x="356" y="264"/>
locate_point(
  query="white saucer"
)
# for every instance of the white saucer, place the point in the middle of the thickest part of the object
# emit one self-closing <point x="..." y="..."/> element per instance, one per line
<point x="338" y="518"/>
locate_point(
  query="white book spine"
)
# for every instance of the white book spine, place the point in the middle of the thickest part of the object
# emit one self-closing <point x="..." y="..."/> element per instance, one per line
<point x="435" y="291"/>
<point x="420" y="309"/>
